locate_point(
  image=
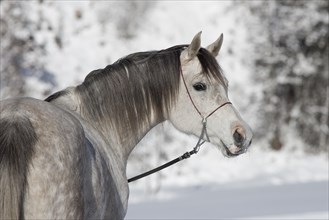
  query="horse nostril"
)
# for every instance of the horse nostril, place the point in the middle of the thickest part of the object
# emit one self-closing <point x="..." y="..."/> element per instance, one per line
<point x="238" y="138"/>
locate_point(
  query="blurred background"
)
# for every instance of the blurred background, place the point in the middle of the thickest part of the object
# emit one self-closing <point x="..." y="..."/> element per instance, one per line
<point x="275" y="56"/>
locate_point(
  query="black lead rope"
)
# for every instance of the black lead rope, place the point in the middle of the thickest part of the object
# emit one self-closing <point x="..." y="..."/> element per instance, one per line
<point x="186" y="155"/>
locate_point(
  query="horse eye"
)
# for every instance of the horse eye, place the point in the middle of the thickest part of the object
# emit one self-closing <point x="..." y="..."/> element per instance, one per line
<point x="200" y="86"/>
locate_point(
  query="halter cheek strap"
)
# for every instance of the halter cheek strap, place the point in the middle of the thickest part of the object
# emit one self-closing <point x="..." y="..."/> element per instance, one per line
<point x="204" y="118"/>
<point x="204" y="134"/>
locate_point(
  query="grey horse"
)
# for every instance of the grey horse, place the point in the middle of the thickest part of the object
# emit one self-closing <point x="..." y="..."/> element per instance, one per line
<point x="65" y="157"/>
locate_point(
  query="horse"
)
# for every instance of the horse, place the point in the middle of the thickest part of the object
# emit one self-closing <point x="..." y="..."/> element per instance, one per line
<point x="65" y="157"/>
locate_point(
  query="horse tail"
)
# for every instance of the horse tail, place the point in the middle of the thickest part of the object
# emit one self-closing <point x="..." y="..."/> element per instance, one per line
<point x="17" y="140"/>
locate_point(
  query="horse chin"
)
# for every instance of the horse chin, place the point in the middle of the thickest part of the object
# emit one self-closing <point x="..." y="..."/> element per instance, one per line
<point x="231" y="151"/>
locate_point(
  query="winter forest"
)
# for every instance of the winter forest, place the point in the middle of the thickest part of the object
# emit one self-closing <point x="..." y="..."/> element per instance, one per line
<point x="275" y="55"/>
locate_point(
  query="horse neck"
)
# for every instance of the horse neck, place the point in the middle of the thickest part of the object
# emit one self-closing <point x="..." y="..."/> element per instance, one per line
<point x="121" y="143"/>
<point x="130" y="141"/>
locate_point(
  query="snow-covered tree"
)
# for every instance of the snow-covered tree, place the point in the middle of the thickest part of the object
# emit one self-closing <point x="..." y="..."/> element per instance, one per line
<point x="291" y="64"/>
<point x="21" y="53"/>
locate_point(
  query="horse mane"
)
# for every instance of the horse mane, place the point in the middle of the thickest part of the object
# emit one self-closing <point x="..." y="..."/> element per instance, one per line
<point x="137" y="87"/>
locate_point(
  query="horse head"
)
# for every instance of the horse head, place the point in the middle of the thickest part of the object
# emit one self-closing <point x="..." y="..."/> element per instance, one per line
<point x="203" y="100"/>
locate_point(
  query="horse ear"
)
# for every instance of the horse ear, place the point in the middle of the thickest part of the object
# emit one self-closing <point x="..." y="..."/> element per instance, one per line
<point x="214" y="48"/>
<point x="193" y="48"/>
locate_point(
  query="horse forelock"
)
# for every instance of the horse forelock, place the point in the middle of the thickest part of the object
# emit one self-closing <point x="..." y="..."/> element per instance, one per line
<point x="210" y="66"/>
<point x="137" y="87"/>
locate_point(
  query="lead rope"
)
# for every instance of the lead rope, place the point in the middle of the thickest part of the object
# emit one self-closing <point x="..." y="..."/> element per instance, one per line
<point x="184" y="156"/>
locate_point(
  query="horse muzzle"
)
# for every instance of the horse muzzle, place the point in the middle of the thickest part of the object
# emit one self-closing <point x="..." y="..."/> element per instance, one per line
<point x="242" y="141"/>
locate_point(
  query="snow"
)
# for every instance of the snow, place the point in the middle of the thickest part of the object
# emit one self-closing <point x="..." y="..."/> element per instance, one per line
<point x="292" y="201"/>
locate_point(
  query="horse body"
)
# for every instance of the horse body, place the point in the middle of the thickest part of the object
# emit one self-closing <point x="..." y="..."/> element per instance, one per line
<point x="71" y="175"/>
<point x="66" y="157"/>
<point x="50" y="157"/>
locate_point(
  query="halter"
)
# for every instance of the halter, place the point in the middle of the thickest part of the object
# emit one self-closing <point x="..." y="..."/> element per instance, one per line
<point x="200" y="142"/>
<point x="204" y="118"/>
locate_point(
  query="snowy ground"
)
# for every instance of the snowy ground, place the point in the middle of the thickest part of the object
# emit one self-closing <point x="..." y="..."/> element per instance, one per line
<point x="291" y="201"/>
